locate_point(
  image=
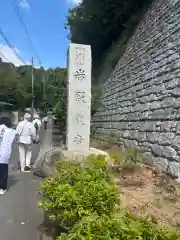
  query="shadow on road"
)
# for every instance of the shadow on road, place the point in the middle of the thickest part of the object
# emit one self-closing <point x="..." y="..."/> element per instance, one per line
<point x="58" y="136"/>
<point x="12" y="181"/>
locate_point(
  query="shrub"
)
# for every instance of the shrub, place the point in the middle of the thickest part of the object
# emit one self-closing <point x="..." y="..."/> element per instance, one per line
<point x="80" y="198"/>
<point x="78" y="190"/>
<point x="129" y="157"/>
<point x="116" y="228"/>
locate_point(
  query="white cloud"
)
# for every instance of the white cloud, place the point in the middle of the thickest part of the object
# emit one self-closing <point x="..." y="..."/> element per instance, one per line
<point x="24" y="4"/>
<point x="10" y="56"/>
<point x="75" y="1"/>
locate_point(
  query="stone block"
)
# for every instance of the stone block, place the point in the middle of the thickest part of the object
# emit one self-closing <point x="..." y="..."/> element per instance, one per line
<point x="155" y="105"/>
<point x="177" y="103"/>
<point x="168" y="152"/>
<point x="135" y="125"/>
<point x="146" y="106"/>
<point x="174" y="169"/>
<point x="171" y="84"/>
<point x="176" y="143"/>
<point x="152" y="97"/>
<point x="133" y="144"/>
<point x="147" y="144"/>
<point x="140" y="136"/>
<point x="161" y="113"/>
<point x="126" y="134"/>
<point x="166" y="138"/>
<point x="147" y="126"/>
<point x="173" y="126"/>
<point x="144" y="99"/>
<point x="118" y="133"/>
<point x="144" y="115"/>
<point x="168" y="102"/>
<point x="176" y="92"/>
<point x="123" y="125"/>
<point x="152" y="137"/>
<point x="127" y="143"/>
<point x="165" y="126"/>
<point x="161" y="164"/>
<point x="178" y="157"/>
<point x="46" y="162"/>
<point x="148" y="158"/>
<point x="157" y="150"/>
<point x="143" y="149"/>
<point x="178" y="127"/>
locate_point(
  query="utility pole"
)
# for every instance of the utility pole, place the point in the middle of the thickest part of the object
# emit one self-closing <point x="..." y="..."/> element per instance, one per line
<point x="32" y="78"/>
<point x="44" y="92"/>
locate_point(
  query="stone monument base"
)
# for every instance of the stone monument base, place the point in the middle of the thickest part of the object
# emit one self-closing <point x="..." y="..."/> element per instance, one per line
<point x="46" y="162"/>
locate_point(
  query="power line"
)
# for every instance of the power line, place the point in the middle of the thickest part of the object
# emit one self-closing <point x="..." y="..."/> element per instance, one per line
<point x="4" y="57"/>
<point x="16" y="9"/>
<point x="11" y="46"/>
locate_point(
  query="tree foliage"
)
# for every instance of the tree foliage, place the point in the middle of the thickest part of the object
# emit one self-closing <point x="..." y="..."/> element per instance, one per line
<point x="12" y="88"/>
<point x="100" y="23"/>
<point x="50" y="90"/>
<point x="56" y="94"/>
<point x="16" y="86"/>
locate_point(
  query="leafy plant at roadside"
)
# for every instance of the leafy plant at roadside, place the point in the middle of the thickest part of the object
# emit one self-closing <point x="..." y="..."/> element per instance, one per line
<point x="129" y="156"/>
<point x="117" y="228"/>
<point x="79" y="190"/>
<point x="81" y="198"/>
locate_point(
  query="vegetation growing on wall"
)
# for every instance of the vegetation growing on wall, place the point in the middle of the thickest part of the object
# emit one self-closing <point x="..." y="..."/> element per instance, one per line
<point x="100" y="23"/>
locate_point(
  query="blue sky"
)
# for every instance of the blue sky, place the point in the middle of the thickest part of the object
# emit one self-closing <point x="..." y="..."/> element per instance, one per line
<point x="44" y="20"/>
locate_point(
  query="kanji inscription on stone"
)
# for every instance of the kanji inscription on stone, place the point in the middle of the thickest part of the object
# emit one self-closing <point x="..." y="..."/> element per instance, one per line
<point x="80" y="75"/>
<point x="80" y="97"/>
<point x="78" y="139"/>
<point x="80" y="55"/>
<point x="80" y="118"/>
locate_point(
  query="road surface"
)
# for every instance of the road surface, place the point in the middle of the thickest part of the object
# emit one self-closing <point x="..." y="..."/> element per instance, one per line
<point x="19" y="216"/>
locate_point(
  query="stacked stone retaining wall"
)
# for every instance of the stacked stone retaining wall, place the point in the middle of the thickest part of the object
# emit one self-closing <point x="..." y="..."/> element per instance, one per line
<point x="141" y="97"/>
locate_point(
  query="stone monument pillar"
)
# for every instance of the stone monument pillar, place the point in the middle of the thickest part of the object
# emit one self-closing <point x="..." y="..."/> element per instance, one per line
<point x="79" y="98"/>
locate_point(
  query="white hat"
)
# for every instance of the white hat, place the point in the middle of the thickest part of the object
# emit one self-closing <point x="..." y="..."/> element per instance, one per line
<point x="27" y="116"/>
<point x="36" y="116"/>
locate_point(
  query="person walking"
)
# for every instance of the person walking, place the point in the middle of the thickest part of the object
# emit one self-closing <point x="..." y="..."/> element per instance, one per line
<point x="45" y="121"/>
<point x="7" y="135"/>
<point x="54" y="119"/>
<point x="26" y="133"/>
<point x="37" y="124"/>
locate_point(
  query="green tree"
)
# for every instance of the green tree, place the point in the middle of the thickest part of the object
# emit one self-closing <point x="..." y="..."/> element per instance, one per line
<point x="100" y="23"/>
<point x="12" y="89"/>
<point x="56" y="93"/>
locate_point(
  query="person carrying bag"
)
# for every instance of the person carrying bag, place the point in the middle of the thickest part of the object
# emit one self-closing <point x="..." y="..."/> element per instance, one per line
<point x="37" y="124"/>
<point x="26" y="134"/>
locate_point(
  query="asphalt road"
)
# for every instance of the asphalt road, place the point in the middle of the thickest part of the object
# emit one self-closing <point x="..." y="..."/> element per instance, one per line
<point x="19" y="216"/>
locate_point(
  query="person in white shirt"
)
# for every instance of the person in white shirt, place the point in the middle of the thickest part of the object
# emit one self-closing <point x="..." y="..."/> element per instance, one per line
<point x="7" y="135"/>
<point x="45" y="121"/>
<point x="54" y="119"/>
<point x="26" y="135"/>
<point x="37" y="124"/>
